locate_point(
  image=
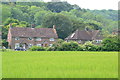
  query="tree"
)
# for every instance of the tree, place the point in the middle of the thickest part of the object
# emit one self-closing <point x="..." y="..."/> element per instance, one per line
<point x="11" y="20"/>
<point x="6" y="12"/>
<point x="62" y="22"/>
<point x="39" y="16"/>
<point x="32" y="12"/>
<point x="16" y="13"/>
<point x="77" y="23"/>
<point x="59" y="6"/>
<point x="111" y="43"/>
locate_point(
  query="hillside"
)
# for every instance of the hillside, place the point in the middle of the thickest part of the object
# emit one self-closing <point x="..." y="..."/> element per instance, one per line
<point x="65" y="16"/>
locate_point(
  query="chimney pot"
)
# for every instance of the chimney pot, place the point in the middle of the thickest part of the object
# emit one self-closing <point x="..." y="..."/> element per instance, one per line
<point x="54" y="27"/>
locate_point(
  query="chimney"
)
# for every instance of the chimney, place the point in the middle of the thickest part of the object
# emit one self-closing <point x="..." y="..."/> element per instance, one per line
<point x="10" y="25"/>
<point x="54" y="29"/>
<point x="32" y="25"/>
<point x="86" y="29"/>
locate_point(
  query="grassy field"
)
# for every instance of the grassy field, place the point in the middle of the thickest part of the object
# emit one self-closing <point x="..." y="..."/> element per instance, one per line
<point x="60" y="64"/>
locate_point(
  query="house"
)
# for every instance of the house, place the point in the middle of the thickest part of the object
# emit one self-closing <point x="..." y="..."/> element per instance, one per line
<point x="116" y="32"/>
<point x="27" y="37"/>
<point x="81" y="36"/>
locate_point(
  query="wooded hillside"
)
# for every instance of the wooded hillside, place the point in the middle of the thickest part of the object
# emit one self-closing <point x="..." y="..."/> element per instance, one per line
<point x="65" y="16"/>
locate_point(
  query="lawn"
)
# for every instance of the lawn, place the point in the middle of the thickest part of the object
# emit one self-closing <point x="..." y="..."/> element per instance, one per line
<point x="59" y="64"/>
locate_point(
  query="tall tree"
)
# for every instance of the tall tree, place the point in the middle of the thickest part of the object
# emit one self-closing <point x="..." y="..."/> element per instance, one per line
<point x="62" y="22"/>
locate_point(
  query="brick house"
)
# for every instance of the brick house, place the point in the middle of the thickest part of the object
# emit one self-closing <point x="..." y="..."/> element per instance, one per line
<point x="27" y="37"/>
<point x="116" y="32"/>
<point x="81" y="36"/>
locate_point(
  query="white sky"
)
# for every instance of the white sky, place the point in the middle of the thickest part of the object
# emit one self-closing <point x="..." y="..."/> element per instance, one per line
<point x="95" y="4"/>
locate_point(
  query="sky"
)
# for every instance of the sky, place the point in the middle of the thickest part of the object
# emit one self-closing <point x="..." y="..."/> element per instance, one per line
<point x="95" y="4"/>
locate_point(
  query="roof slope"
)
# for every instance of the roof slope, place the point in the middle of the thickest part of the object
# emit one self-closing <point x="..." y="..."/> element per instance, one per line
<point x="83" y="35"/>
<point x="33" y="32"/>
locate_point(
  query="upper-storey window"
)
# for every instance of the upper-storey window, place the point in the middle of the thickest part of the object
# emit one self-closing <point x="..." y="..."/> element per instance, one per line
<point x="52" y="39"/>
<point x="17" y="38"/>
<point x="30" y="38"/>
<point x="38" y="39"/>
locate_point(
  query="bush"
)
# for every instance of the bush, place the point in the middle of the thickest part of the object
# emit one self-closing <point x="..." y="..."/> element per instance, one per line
<point x="37" y="48"/>
<point x="111" y="43"/>
<point x="69" y="46"/>
<point x="50" y="49"/>
<point x="88" y="46"/>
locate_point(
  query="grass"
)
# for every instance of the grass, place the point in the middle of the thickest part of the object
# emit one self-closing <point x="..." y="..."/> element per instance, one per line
<point x="59" y="64"/>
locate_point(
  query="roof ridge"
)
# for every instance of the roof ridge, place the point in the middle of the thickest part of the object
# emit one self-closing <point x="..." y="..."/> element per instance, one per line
<point x="34" y="28"/>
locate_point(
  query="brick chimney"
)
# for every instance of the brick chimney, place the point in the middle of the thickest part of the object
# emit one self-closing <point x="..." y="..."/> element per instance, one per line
<point x="54" y="28"/>
<point x="10" y="25"/>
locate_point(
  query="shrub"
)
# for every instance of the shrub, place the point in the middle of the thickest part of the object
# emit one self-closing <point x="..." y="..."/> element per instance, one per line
<point x="37" y="48"/>
<point x="56" y="46"/>
<point x="50" y="49"/>
<point x="88" y="46"/>
<point x="111" y="43"/>
<point x="69" y="46"/>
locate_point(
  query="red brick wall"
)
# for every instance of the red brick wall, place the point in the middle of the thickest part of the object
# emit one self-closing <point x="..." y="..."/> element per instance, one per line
<point x="34" y="42"/>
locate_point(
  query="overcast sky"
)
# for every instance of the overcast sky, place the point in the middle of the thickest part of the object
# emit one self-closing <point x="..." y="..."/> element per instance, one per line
<point x="95" y="4"/>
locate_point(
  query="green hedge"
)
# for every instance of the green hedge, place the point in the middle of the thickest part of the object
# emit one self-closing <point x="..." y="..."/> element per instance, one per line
<point x="37" y="48"/>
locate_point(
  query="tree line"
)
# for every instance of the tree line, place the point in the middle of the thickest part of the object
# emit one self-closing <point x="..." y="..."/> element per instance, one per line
<point x="65" y="16"/>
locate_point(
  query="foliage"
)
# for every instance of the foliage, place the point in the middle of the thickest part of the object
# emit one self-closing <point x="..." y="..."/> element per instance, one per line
<point x="62" y="22"/>
<point x="89" y="46"/>
<point x="37" y="48"/>
<point x="56" y="46"/>
<point x="111" y="43"/>
<point x="59" y="6"/>
<point x="65" y="16"/>
<point x="70" y="46"/>
<point x="39" y="16"/>
<point x="5" y="43"/>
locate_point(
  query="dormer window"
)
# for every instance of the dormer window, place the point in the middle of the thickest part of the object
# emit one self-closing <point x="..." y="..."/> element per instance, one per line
<point x="30" y="38"/>
<point x="72" y="35"/>
<point x="17" y="38"/>
<point x="51" y="39"/>
<point x="38" y="39"/>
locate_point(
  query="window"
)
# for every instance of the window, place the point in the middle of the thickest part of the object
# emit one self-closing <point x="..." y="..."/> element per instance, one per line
<point x="39" y="45"/>
<point x="38" y="39"/>
<point x="30" y="45"/>
<point x="50" y="45"/>
<point x="79" y="41"/>
<point x="98" y="41"/>
<point x="17" y="38"/>
<point x="51" y="39"/>
<point x="30" y="38"/>
<point x="17" y="45"/>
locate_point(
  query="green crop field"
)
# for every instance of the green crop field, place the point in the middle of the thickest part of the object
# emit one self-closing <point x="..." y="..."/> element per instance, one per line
<point x="59" y="64"/>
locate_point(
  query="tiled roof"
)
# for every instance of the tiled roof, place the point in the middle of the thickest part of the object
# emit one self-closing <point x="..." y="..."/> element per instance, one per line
<point x="33" y="32"/>
<point x="84" y="35"/>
